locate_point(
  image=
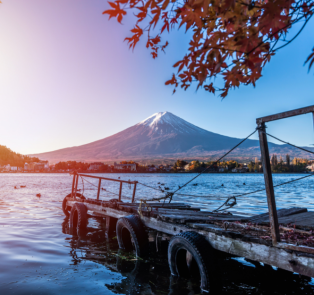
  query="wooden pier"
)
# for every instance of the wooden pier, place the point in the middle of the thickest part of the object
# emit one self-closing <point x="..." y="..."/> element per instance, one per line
<point x="281" y="238"/>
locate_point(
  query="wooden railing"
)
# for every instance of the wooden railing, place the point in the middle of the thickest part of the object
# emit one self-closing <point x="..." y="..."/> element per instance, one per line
<point x="267" y="167"/>
<point x="77" y="175"/>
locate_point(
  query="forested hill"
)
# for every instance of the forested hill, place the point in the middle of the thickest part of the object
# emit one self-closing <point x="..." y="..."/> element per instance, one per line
<point x="7" y="156"/>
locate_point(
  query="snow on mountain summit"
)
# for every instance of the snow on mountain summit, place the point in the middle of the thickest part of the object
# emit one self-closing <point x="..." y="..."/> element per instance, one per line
<point x="160" y="118"/>
<point x="168" y="122"/>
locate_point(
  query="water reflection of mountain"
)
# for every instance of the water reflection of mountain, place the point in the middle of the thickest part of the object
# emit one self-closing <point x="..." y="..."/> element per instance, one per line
<point x="152" y="276"/>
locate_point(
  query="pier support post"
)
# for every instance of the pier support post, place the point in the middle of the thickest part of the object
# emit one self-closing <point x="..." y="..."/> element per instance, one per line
<point x="134" y="191"/>
<point x="75" y="190"/>
<point x="73" y="185"/>
<point x="99" y="185"/>
<point x="111" y="223"/>
<point x="120" y="191"/>
<point x="313" y="119"/>
<point x="273" y="218"/>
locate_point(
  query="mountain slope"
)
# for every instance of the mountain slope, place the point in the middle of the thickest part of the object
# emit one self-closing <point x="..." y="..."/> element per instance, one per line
<point x="160" y="135"/>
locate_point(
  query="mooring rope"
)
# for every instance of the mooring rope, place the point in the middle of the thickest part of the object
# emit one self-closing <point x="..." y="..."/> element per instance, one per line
<point x="300" y="148"/>
<point x="227" y="203"/>
<point x="245" y="194"/>
<point x="234" y="202"/>
<point x="170" y="195"/>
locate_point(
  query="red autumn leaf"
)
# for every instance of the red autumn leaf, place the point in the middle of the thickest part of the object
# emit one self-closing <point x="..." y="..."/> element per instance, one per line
<point x="233" y="39"/>
<point x="311" y="59"/>
<point x="115" y="12"/>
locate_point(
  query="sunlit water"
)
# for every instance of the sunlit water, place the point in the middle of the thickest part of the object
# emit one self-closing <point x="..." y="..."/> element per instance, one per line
<point x="39" y="256"/>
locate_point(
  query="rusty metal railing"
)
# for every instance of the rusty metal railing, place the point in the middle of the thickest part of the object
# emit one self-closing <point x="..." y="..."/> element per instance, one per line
<point x="77" y="175"/>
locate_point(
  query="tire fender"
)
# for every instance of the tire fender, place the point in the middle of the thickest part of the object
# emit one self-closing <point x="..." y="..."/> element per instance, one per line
<point x="78" y="216"/>
<point x="131" y="234"/>
<point x="66" y="209"/>
<point x="203" y="254"/>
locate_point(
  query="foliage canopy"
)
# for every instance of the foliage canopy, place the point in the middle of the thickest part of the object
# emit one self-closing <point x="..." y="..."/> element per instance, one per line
<point x="7" y="156"/>
<point x="231" y="38"/>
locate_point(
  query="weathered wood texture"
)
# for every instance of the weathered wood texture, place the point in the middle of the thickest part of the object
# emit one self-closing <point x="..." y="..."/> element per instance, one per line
<point x="273" y="219"/>
<point x="291" y="261"/>
<point x="285" y="256"/>
<point x="111" y="225"/>
<point x="98" y="191"/>
<point x="284" y="115"/>
<point x="302" y="221"/>
<point x="280" y="213"/>
<point x="73" y="185"/>
<point x="134" y="191"/>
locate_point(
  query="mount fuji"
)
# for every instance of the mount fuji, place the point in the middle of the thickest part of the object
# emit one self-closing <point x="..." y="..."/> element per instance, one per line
<point x="160" y="136"/>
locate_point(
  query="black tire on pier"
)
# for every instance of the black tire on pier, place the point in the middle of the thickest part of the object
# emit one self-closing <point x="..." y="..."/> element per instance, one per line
<point x="78" y="216"/>
<point x="189" y="254"/>
<point x="131" y="235"/>
<point x="66" y="209"/>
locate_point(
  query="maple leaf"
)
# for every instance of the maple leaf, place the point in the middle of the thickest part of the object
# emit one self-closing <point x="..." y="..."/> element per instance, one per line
<point x="233" y="39"/>
<point x="173" y="81"/>
<point x="137" y="33"/>
<point x="210" y="88"/>
<point x="115" y="12"/>
<point x="311" y="59"/>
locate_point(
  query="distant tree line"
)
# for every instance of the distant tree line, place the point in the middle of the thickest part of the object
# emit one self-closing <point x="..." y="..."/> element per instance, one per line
<point x="296" y="165"/>
<point x="7" y="156"/>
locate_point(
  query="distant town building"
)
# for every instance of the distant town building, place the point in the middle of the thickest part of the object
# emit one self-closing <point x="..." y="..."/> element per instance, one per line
<point x="131" y="167"/>
<point x="95" y="166"/>
<point x="310" y="167"/>
<point x="13" y="168"/>
<point x="39" y="166"/>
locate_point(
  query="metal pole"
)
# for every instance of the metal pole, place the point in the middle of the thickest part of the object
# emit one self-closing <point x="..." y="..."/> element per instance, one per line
<point x="313" y="119"/>
<point x="134" y="190"/>
<point x="120" y="191"/>
<point x="273" y="218"/>
<point x="98" y="192"/>
<point x="73" y="184"/>
<point x="76" y="187"/>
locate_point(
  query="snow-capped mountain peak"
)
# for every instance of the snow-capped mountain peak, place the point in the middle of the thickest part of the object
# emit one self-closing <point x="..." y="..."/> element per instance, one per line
<point x="160" y="118"/>
<point x="168" y="122"/>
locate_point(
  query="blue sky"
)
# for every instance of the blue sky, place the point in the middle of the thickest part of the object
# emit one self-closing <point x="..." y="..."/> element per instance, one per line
<point x="67" y="78"/>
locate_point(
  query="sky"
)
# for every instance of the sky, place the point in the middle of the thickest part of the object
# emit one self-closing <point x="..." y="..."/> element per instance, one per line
<point x="67" y="78"/>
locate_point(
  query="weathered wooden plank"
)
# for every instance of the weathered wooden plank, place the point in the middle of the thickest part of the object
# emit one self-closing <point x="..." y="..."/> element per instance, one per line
<point x="280" y="213"/>
<point x="283" y="115"/>
<point x="159" y="208"/>
<point x="301" y="220"/>
<point x="290" y="261"/>
<point x="269" y="255"/>
<point x="166" y="205"/>
<point x="273" y="219"/>
<point x="195" y="218"/>
<point x="296" y="248"/>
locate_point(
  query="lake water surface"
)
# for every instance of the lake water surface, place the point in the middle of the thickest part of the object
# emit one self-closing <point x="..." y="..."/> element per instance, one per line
<point x="39" y="256"/>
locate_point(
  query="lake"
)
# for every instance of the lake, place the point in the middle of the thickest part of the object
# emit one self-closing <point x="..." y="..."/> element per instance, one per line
<point x="39" y="256"/>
